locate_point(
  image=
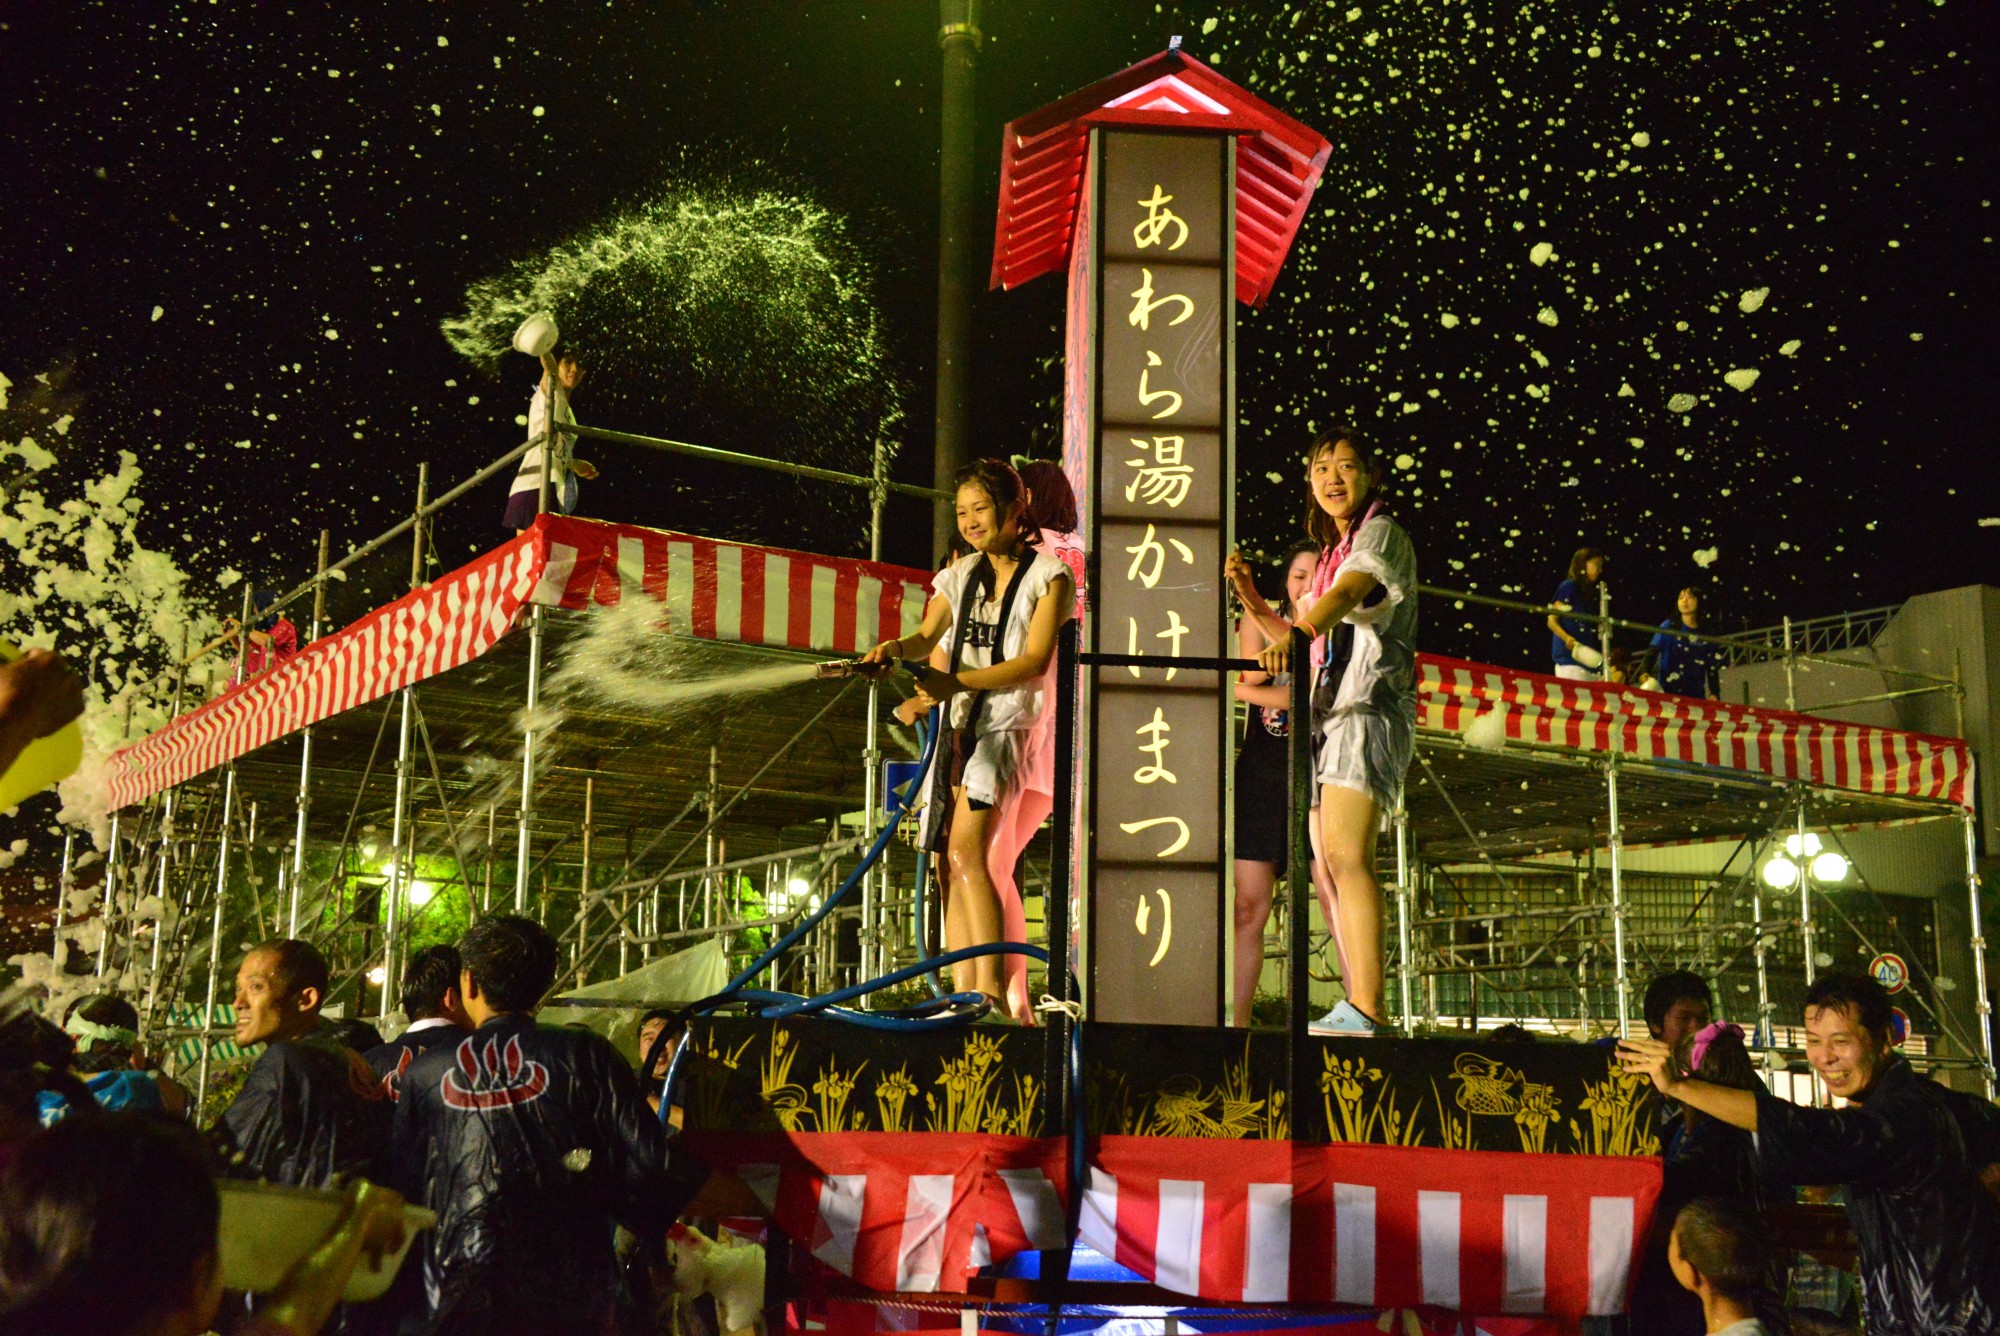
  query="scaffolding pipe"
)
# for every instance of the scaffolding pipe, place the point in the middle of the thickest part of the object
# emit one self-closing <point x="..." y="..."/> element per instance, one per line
<point x="1604" y="629"/>
<point x="402" y="828"/>
<point x="1615" y="835"/>
<point x="215" y="930"/>
<point x="580" y="947"/>
<point x="64" y="885"/>
<point x="400" y="831"/>
<point x="714" y="797"/>
<point x="111" y="861"/>
<point x="1792" y="703"/>
<point x="492" y="829"/>
<point x="1763" y="1036"/>
<point x="1982" y="1003"/>
<point x="1403" y="908"/>
<point x="306" y="746"/>
<point x="159" y="920"/>
<point x="524" y="841"/>
<point x="1808" y="935"/>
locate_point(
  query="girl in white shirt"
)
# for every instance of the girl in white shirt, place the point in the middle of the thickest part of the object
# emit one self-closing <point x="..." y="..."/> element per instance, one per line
<point x="1008" y="601"/>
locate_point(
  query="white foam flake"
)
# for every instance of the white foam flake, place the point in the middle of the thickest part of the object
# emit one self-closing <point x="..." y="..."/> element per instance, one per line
<point x="1752" y="300"/>
<point x="1448" y="320"/>
<point x="1547" y="315"/>
<point x="1742" y="378"/>
<point x="1682" y="403"/>
<point x="1541" y="253"/>
<point x="1791" y="347"/>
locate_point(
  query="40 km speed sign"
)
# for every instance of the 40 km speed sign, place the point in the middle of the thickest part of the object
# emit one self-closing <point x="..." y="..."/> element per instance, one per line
<point x="1890" y="971"/>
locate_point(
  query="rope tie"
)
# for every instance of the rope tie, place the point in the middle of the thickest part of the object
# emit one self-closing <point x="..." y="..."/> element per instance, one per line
<point x="1050" y="1003"/>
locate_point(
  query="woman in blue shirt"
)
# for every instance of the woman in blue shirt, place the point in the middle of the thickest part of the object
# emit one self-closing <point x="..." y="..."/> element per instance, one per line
<point x="1686" y="667"/>
<point x="1574" y="656"/>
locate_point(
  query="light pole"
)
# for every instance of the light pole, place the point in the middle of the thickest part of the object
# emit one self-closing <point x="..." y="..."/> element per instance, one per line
<point x="1809" y="866"/>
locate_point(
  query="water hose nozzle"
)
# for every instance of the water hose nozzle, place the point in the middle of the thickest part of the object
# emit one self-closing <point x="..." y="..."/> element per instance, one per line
<point x="834" y="669"/>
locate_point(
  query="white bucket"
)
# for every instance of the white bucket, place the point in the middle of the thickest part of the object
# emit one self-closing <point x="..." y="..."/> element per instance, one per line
<point x="537" y="335"/>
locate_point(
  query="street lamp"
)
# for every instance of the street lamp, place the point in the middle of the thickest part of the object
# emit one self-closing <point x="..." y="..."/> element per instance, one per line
<point x="1810" y="866"/>
<point x="1805" y="856"/>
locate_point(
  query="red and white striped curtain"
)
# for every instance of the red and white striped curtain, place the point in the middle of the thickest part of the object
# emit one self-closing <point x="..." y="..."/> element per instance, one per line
<point x="1278" y="1222"/>
<point x="718" y="591"/>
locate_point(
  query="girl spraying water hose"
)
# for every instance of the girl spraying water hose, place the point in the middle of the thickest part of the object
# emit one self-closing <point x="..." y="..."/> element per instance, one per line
<point x="996" y="613"/>
<point x="1361" y="612"/>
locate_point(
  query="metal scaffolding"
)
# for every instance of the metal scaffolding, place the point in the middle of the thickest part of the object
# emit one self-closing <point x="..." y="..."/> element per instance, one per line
<point x="1512" y="891"/>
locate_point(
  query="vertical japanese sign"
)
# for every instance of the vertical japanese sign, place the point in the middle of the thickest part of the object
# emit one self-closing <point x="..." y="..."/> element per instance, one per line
<point x="1160" y="498"/>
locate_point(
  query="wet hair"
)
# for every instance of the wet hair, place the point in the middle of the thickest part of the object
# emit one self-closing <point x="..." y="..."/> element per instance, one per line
<point x="427" y="977"/>
<point x="1723" y="1239"/>
<point x="1510" y="1033"/>
<point x="675" y="1027"/>
<point x="1725" y="1062"/>
<point x="1868" y="1000"/>
<point x="996" y="478"/>
<point x="96" y="1054"/>
<point x="1671" y="987"/>
<point x="298" y="966"/>
<point x="512" y="959"/>
<point x="104" y="1223"/>
<point x="1051" y="500"/>
<point x="1319" y="525"/>
<point x="36" y="1055"/>
<point x="1581" y="558"/>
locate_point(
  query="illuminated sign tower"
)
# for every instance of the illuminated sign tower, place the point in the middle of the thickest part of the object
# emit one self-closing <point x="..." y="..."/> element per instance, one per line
<point x="1156" y="189"/>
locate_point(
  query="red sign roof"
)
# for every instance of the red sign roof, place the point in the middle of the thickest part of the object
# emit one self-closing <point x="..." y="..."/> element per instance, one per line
<point x="1278" y="162"/>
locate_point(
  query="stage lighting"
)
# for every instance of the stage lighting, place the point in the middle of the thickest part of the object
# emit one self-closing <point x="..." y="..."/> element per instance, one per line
<point x="1781" y="873"/>
<point x="1829" y="866"/>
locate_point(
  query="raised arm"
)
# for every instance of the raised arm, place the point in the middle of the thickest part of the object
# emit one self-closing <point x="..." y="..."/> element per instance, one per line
<point x="1237" y="571"/>
<point x="1654" y="1059"/>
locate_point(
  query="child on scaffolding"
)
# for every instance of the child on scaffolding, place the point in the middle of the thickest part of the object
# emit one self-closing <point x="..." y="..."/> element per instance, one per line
<point x="561" y="374"/>
<point x="996" y="613"/>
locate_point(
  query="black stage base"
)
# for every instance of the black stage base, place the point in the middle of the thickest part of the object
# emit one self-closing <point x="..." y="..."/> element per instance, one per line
<point x="1165" y="1081"/>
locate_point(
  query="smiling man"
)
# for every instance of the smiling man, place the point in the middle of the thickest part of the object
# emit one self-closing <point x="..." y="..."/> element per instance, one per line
<point x="1907" y="1150"/>
<point x="310" y="1109"/>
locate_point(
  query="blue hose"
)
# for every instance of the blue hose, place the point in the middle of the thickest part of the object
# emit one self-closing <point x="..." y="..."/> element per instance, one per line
<point x="943" y="1011"/>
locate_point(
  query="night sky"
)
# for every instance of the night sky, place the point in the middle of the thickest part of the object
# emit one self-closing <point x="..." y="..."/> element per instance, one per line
<point x="1553" y="242"/>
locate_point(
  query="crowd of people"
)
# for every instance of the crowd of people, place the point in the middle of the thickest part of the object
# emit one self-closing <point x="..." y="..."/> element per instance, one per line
<point x="1918" y="1164"/>
<point x="528" y="1142"/>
